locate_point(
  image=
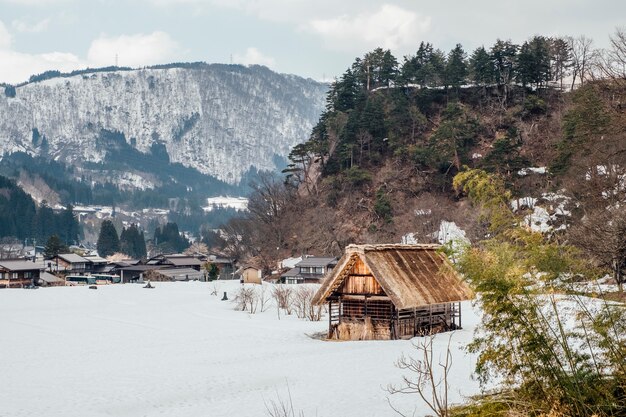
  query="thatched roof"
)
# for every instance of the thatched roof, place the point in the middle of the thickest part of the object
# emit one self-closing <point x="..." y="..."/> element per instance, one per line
<point x="411" y="275"/>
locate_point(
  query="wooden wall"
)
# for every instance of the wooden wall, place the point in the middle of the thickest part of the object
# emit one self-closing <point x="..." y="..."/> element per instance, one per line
<point x="361" y="281"/>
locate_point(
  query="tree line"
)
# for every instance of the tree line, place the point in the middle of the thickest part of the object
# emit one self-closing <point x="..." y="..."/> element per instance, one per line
<point x="21" y="218"/>
<point x="132" y="241"/>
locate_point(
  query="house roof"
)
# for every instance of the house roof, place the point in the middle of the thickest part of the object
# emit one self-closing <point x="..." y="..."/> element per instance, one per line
<point x="293" y="272"/>
<point x="141" y="268"/>
<point x="183" y="261"/>
<point x="72" y="258"/>
<point x="317" y="261"/>
<point x="179" y="272"/>
<point x="49" y="278"/>
<point x="95" y="259"/>
<point x="411" y="275"/>
<point x="20" y="265"/>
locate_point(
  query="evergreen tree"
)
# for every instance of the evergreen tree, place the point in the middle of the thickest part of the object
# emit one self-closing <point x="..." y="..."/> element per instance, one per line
<point x="108" y="241"/>
<point x="504" y="54"/>
<point x="169" y="239"/>
<point x="481" y="67"/>
<point x="68" y="226"/>
<point x="132" y="242"/>
<point x="456" y="67"/>
<point x="53" y="247"/>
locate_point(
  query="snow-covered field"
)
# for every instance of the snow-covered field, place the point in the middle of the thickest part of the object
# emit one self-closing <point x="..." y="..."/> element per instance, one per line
<point x="177" y="350"/>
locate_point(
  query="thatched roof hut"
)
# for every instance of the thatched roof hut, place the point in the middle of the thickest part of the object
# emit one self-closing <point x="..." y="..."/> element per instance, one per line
<point x="405" y="290"/>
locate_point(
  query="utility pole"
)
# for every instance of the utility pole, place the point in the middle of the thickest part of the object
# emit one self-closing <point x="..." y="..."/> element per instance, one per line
<point x="116" y="60"/>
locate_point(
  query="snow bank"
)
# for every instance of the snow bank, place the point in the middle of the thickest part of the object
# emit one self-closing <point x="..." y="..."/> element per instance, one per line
<point x="176" y="350"/>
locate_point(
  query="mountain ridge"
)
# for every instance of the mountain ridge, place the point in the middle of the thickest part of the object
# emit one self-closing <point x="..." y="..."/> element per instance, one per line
<point x="221" y="120"/>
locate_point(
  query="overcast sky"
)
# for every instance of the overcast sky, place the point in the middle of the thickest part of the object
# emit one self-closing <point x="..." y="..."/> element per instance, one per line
<point x="317" y="39"/>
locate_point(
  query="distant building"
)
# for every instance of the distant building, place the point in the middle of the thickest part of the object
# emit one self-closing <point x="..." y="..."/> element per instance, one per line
<point x="69" y="263"/>
<point x="173" y="274"/>
<point x="311" y="269"/>
<point x="250" y="275"/>
<point x="176" y="261"/>
<point x="17" y="273"/>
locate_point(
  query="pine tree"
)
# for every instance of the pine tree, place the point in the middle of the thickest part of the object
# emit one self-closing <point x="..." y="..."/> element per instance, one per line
<point x="456" y="67"/>
<point x="108" y="241"/>
<point x="481" y="67"/>
<point x="53" y="247"/>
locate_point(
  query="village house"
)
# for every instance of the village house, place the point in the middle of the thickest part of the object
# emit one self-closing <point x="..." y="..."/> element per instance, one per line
<point x="68" y="263"/>
<point x="47" y="279"/>
<point x="392" y="291"/>
<point x="311" y="269"/>
<point x="96" y="265"/>
<point x="18" y="273"/>
<point x="225" y="266"/>
<point x="249" y="274"/>
<point x="176" y="261"/>
<point x="173" y="274"/>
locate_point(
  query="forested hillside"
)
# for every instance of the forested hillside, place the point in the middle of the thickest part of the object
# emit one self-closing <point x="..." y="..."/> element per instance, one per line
<point x="21" y="218"/>
<point x="380" y="162"/>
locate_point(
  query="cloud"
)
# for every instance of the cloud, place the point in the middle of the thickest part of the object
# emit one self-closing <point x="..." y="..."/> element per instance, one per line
<point x="5" y="37"/>
<point x="133" y="50"/>
<point x="390" y="27"/>
<point x="28" y="27"/>
<point x="254" y="56"/>
<point x="34" y="2"/>
<point x="24" y="65"/>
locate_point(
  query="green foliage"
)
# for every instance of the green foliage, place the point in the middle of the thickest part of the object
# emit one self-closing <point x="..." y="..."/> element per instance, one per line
<point x="571" y="364"/>
<point x="213" y="272"/>
<point x="456" y="67"/>
<point x="133" y="242"/>
<point x="453" y="138"/>
<point x="53" y="247"/>
<point x="382" y="206"/>
<point x="504" y="157"/>
<point x="357" y="177"/>
<point x="169" y="239"/>
<point x="533" y="105"/>
<point x="534" y="62"/>
<point x="108" y="240"/>
<point x="20" y="218"/>
<point x="585" y="121"/>
<point x="481" y="68"/>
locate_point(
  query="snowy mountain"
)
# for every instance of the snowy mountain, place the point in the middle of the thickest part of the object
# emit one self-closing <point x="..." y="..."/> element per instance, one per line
<point x="218" y="119"/>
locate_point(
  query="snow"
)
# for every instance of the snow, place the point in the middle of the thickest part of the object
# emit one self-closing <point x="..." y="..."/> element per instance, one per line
<point x="409" y="239"/>
<point x="176" y="350"/>
<point x="290" y="262"/>
<point x="217" y="119"/>
<point x="453" y="235"/>
<point x="237" y="203"/>
<point x="532" y="170"/>
<point x="523" y="202"/>
<point x="546" y="217"/>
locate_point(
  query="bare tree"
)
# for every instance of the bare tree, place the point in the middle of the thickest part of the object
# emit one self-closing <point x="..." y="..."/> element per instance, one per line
<point x="582" y="51"/>
<point x="611" y="63"/>
<point x="10" y="247"/>
<point x="430" y="383"/>
<point x="602" y="234"/>
<point x="283" y="295"/>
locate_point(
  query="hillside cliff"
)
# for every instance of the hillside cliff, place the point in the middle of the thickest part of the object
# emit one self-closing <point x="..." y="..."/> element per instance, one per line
<point x="220" y="120"/>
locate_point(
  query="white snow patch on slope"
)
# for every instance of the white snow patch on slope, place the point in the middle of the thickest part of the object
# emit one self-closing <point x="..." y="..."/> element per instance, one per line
<point x="532" y="170"/>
